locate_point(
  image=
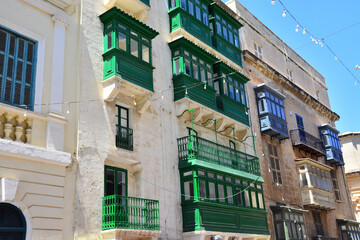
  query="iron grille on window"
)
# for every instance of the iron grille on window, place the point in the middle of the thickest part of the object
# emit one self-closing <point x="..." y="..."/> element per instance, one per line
<point x="17" y="69"/>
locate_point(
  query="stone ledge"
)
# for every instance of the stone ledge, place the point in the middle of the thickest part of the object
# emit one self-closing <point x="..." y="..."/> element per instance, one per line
<point x="118" y="234"/>
<point x="34" y="153"/>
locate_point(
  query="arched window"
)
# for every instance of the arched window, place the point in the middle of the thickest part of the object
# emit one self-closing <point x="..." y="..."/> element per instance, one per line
<point x="12" y="222"/>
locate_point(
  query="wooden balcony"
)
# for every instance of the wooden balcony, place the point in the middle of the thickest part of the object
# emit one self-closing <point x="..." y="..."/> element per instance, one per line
<point x="307" y="142"/>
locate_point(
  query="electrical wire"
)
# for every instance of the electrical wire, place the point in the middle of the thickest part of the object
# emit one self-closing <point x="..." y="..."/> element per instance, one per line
<point x="316" y="39"/>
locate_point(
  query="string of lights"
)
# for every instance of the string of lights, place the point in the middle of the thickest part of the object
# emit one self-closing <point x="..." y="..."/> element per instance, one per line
<point x="317" y="40"/>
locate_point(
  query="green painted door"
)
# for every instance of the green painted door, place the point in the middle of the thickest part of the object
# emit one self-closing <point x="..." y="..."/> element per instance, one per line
<point x="116" y="184"/>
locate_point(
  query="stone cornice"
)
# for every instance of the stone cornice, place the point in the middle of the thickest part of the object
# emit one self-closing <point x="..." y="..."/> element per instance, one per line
<point x="58" y="13"/>
<point x="270" y="72"/>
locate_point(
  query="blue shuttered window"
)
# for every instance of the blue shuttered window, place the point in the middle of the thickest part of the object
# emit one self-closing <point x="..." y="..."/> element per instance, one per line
<point x="17" y="69"/>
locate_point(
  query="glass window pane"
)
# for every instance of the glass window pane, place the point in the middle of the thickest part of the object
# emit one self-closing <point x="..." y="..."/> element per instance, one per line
<point x="261" y="203"/>
<point x="202" y="185"/>
<point x="134" y="46"/>
<point x="209" y="78"/>
<point x="189" y="190"/>
<point x="253" y="199"/>
<point x="230" y="197"/>
<point x="236" y="41"/>
<point x="212" y="194"/>
<point x="247" y="199"/>
<point x="121" y="183"/>
<point x="221" y="193"/>
<point x="110" y="182"/>
<point x="225" y="88"/>
<point x="109" y="40"/>
<point x="145" y="53"/>
<point x="238" y="197"/>
<point x="225" y="33"/>
<point x="195" y="71"/>
<point x="187" y="67"/>
<point x="191" y="8"/>
<point x="202" y="75"/>
<point x="218" y="28"/>
<point x="205" y="18"/>
<point x="183" y="4"/>
<point x="122" y="41"/>
<point x="231" y="37"/>
<point x="122" y="27"/>
<point x="177" y="66"/>
<point x="198" y="13"/>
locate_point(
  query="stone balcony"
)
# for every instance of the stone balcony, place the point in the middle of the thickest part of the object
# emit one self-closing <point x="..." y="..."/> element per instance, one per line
<point x="23" y="126"/>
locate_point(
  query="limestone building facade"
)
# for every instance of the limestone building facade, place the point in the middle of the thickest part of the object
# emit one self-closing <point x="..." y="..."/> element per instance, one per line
<point x="37" y="139"/>
<point x="151" y="119"/>
<point x="350" y="147"/>
<point x="306" y="194"/>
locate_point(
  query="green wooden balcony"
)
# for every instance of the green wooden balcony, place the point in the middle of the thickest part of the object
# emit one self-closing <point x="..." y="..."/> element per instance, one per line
<point x="124" y="138"/>
<point x="130" y="213"/>
<point x="193" y="147"/>
<point x="222" y="218"/>
<point x="128" y="67"/>
<point x="227" y="49"/>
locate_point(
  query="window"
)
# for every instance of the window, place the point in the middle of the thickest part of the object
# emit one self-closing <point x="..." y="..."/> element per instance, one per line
<point x="12" y="222"/>
<point x="268" y="102"/>
<point x="258" y="50"/>
<point x="289" y="74"/>
<point x="335" y="185"/>
<point x="124" y="134"/>
<point x="17" y="69"/>
<point x="318" y="223"/>
<point x="115" y="181"/>
<point x="227" y="31"/>
<point x="196" y="9"/>
<point x="330" y="138"/>
<point x="274" y="164"/>
<point x="193" y="66"/>
<point x="292" y="220"/>
<point x="232" y="87"/>
<point x="314" y="177"/>
<point x="128" y="40"/>
<point x="223" y="189"/>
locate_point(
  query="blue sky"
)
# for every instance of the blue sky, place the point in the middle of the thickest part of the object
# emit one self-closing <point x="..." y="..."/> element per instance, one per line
<point x="322" y="18"/>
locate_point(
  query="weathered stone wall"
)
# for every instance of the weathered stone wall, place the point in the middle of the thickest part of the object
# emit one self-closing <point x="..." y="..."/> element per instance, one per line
<point x="278" y="56"/>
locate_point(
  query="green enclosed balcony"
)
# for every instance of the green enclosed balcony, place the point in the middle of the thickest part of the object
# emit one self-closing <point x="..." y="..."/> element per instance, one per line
<point x="123" y="212"/>
<point x="225" y="33"/>
<point x="191" y="16"/>
<point x="192" y="148"/>
<point x="215" y="200"/>
<point x="127" y="52"/>
<point x="211" y="88"/>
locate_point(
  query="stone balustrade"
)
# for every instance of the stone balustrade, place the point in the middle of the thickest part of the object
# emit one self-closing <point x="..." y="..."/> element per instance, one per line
<point x="14" y="126"/>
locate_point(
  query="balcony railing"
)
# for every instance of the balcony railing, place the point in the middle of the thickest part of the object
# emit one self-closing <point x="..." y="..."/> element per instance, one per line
<point x="192" y="147"/>
<point x="124" y="138"/>
<point x="307" y="142"/>
<point x="130" y="213"/>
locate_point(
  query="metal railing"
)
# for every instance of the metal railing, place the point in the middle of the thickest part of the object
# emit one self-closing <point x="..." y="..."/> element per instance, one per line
<point x="130" y="213"/>
<point x="124" y="138"/>
<point x="192" y="147"/>
<point x="300" y="137"/>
